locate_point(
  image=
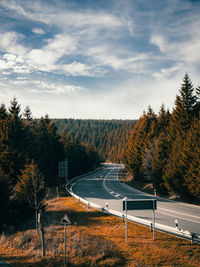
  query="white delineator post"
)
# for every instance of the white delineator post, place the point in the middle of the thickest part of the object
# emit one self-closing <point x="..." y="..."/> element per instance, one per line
<point x="126" y="228"/>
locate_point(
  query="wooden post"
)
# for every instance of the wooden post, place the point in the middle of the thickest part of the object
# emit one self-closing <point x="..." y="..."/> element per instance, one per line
<point x="43" y="243"/>
<point x="41" y="223"/>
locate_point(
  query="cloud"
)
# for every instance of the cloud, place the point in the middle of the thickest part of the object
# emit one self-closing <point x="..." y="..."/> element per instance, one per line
<point x="45" y="59"/>
<point x="10" y="43"/>
<point x="159" y="41"/>
<point x="108" y="60"/>
<point x="77" y="69"/>
<point x="38" y="31"/>
<point x="167" y="72"/>
<point x="128" y="61"/>
<point x="14" y="63"/>
<point x="53" y="88"/>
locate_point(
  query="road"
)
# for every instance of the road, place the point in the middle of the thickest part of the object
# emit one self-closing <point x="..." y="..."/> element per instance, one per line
<point x="104" y="188"/>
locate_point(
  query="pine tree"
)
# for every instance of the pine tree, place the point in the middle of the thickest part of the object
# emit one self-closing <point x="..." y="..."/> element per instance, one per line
<point x="13" y="151"/>
<point x="197" y="108"/>
<point x="163" y="119"/>
<point x="139" y="143"/>
<point x="31" y="188"/>
<point x="184" y="110"/>
<point x="4" y="197"/>
<point x="179" y="125"/>
<point x="3" y="112"/>
<point x="28" y="115"/>
<point x="48" y="149"/>
<point x="190" y="160"/>
<point x="158" y="163"/>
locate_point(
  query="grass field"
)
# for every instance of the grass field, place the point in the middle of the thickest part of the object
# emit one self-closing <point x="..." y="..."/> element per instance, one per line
<point x="93" y="239"/>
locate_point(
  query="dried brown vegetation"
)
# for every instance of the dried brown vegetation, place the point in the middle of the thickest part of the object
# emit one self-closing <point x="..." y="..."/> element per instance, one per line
<point x="95" y="240"/>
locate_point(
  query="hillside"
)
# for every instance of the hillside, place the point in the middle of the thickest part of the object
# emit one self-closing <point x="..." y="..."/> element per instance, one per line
<point x="108" y="136"/>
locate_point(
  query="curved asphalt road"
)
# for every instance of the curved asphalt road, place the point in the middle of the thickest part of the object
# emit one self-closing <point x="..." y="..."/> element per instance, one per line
<point x="104" y="188"/>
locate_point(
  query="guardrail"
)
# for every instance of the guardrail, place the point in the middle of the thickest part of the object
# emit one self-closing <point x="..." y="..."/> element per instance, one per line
<point x="193" y="237"/>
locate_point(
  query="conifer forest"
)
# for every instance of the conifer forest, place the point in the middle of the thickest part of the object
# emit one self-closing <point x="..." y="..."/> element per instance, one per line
<point x="165" y="148"/>
<point x="161" y="148"/>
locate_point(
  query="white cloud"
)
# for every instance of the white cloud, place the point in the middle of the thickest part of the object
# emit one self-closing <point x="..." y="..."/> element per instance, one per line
<point x="77" y="69"/>
<point x="3" y="65"/>
<point x="38" y="31"/>
<point x="190" y="51"/>
<point x="108" y="57"/>
<point x="159" y="41"/>
<point x="167" y="72"/>
<point x="14" y="63"/>
<point x="10" y="42"/>
<point x="45" y="87"/>
<point x="46" y="58"/>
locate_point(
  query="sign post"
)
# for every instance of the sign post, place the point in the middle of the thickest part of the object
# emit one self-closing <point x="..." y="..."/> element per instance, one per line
<point x="65" y="221"/>
<point x="140" y="204"/>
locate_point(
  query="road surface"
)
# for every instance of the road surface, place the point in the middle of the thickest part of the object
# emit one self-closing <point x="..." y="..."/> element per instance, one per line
<point x="104" y="189"/>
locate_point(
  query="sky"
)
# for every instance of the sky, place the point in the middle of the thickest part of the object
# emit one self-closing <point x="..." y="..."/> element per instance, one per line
<point x="97" y="59"/>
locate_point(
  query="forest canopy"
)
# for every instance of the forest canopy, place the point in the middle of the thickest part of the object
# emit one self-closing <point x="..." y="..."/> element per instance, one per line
<point x="165" y="148"/>
<point x="30" y="150"/>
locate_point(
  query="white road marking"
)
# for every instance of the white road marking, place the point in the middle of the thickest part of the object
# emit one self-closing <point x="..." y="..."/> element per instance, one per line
<point x="180" y="213"/>
<point x="177" y="217"/>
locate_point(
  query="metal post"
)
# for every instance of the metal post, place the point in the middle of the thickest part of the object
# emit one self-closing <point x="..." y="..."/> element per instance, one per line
<point x="153" y="220"/>
<point x="57" y="192"/>
<point x="66" y="171"/>
<point x="65" y="242"/>
<point x="154" y="192"/>
<point x="126" y="220"/>
<point x="42" y="241"/>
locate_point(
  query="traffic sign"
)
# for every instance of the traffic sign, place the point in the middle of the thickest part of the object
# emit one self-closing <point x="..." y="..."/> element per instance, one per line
<point x="66" y="220"/>
<point x="140" y="204"/>
<point x="63" y="168"/>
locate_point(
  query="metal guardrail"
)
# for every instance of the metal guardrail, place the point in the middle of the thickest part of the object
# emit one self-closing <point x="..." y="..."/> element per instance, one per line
<point x="193" y="237"/>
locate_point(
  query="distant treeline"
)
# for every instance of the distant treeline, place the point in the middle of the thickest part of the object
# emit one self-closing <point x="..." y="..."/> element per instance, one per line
<point x="165" y="148"/>
<point x="30" y="150"/>
<point x="107" y="136"/>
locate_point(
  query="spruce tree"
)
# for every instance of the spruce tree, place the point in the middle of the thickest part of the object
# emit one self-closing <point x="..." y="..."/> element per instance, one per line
<point x="184" y="110"/>
<point x="13" y="152"/>
<point x="5" y="194"/>
<point x="180" y="121"/>
<point x="158" y="163"/>
<point x="197" y="108"/>
<point x="48" y="150"/>
<point x="190" y="160"/>
<point x="139" y="144"/>
<point x="31" y="188"/>
<point x="28" y="115"/>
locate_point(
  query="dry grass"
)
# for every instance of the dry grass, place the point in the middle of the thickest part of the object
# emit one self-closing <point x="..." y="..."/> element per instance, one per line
<point x="96" y="240"/>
